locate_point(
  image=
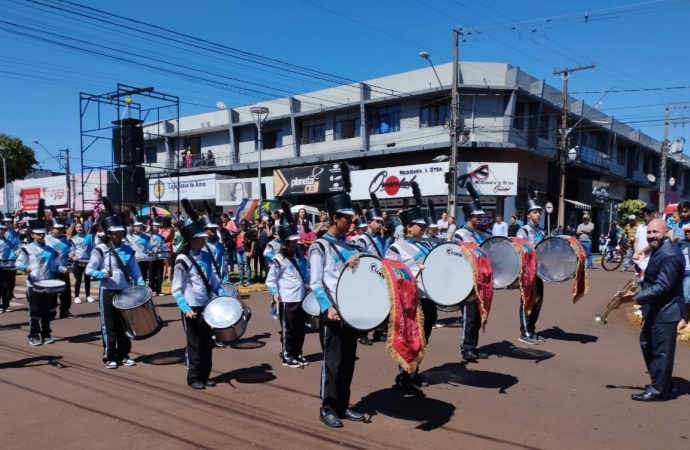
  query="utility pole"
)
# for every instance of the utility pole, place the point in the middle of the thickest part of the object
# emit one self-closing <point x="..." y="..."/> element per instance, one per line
<point x="453" y="185"/>
<point x="67" y="176"/>
<point x="565" y="138"/>
<point x="664" y="155"/>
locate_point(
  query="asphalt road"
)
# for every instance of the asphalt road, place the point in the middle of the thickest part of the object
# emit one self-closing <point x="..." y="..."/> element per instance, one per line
<point x="571" y="392"/>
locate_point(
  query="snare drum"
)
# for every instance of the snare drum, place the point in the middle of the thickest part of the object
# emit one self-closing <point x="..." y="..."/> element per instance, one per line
<point x="138" y="312"/>
<point x="313" y="311"/>
<point x="82" y="262"/>
<point x="147" y="258"/>
<point x="505" y="262"/>
<point x="8" y="264"/>
<point x="49" y="286"/>
<point x="227" y="318"/>
<point x="448" y="277"/>
<point x="556" y="260"/>
<point x="362" y="295"/>
<point x="231" y="290"/>
<point x="164" y="254"/>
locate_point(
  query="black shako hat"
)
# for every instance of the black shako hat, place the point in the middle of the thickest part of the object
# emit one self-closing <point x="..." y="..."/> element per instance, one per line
<point x="194" y="228"/>
<point x="474" y="207"/>
<point x="111" y="222"/>
<point x="288" y="232"/>
<point x="375" y="212"/>
<point x="413" y="214"/>
<point x="38" y="225"/>
<point x="532" y="202"/>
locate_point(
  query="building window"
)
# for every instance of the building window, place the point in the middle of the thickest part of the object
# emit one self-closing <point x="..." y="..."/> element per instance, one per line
<point x="151" y="155"/>
<point x="544" y="123"/>
<point x="347" y="126"/>
<point x="313" y="131"/>
<point x="387" y="119"/>
<point x="648" y="164"/>
<point x="519" y="119"/>
<point x="620" y="155"/>
<point x="435" y="113"/>
<point x="272" y="137"/>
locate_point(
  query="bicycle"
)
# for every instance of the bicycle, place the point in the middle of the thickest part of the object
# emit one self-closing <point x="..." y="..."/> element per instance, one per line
<point x="614" y="258"/>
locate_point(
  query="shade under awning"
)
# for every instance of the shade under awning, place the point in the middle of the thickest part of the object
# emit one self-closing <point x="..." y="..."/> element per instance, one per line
<point x="579" y="205"/>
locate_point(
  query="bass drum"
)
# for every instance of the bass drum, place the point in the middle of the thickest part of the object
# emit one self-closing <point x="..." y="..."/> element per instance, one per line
<point x="362" y="296"/>
<point x="505" y="262"/>
<point x="556" y="260"/>
<point x="138" y="312"/>
<point x="312" y="311"/>
<point x="448" y="277"/>
<point x="227" y="318"/>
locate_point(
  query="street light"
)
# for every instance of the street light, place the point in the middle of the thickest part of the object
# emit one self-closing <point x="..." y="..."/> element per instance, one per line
<point x="3" y="154"/>
<point x="260" y="113"/>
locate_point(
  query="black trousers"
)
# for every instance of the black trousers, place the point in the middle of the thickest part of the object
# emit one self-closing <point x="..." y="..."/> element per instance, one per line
<point x="339" y="343"/>
<point x="471" y="324"/>
<point x="200" y="345"/>
<point x="293" y="323"/>
<point x="144" y="269"/>
<point x="529" y="323"/>
<point x="66" y="295"/>
<point x="658" y="343"/>
<point x="40" y="305"/>
<point x="7" y="280"/>
<point x="79" y="275"/>
<point x="156" y="275"/>
<point x="116" y="344"/>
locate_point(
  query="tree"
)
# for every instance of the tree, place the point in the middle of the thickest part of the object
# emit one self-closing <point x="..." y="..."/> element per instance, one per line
<point x="628" y="207"/>
<point x="20" y="159"/>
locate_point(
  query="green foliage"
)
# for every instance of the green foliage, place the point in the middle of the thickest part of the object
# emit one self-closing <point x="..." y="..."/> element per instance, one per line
<point x="20" y="159"/>
<point x="628" y="207"/>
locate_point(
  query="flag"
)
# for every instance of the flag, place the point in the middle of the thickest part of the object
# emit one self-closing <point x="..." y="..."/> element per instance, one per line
<point x="241" y="208"/>
<point x="267" y="206"/>
<point x="251" y="208"/>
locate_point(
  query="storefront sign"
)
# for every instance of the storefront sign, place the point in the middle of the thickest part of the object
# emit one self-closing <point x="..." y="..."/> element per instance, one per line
<point x="395" y="182"/>
<point x="52" y="189"/>
<point x="230" y="192"/>
<point x="322" y="179"/>
<point x="488" y="178"/>
<point x="198" y="187"/>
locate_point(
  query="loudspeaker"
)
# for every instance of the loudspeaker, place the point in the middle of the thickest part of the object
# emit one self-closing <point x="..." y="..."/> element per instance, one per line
<point x="128" y="185"/>
<point x="128" y="142"/>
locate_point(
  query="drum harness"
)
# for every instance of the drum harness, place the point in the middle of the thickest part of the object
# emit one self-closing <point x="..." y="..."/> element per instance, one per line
<point x="213" y="259"/>
<point x="196" y="265"/>
<point x="378" y="252"/>
<point x="119" y="262"/>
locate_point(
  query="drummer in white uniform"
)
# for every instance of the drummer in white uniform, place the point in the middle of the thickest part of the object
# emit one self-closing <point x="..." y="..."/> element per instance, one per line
<point x="114" y="264"/>
<point x="65" y="249"/>
<point x="213" y="243"/>
<point x="412" y="251"/>
<point x="8" y="273"/>
<point x="40" y="262"/>
<point x="141" y="244"/>
<point x="194" y="283"/>
<point x="273" y="246"/>
<point x="534" y="233"/>
<point x="328" y="257"/>
<point x="286" y="282"/>
<point x="471" y="318"/>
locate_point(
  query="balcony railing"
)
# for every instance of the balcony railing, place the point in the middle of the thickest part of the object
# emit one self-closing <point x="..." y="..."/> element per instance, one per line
<point x="201" y="161"/>
<point x="595" y="157"/>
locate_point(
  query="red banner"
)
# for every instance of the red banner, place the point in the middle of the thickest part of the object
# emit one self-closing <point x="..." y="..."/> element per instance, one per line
<point x="528" y="272"/>
<point x="483" y="277"/>
<point x="581" y="285"/>
<point x="406" y="342"/>
<point x="29" y="197"/>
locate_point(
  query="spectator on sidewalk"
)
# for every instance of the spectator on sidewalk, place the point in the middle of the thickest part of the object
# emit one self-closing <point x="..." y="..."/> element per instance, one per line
<point x="442" y="226"/>
<point x="500" y="228"/>
<point x="629" y="231"/>
<point x="513" y="227"/>
<point x="585" y="231"/>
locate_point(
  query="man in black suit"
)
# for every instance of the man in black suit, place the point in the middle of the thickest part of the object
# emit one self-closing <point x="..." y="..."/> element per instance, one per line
<point x="663" y="306"/>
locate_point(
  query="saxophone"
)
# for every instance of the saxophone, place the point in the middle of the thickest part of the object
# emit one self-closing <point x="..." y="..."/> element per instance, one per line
<point x="615" y="303"/>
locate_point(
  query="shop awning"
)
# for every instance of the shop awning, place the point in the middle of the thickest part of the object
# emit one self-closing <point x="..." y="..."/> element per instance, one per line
<point x="579" y="205"/>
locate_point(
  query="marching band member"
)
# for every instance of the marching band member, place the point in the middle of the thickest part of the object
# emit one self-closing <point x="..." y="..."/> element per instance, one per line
<point x="83" y="251"/>
<point x="157" y="265"/>
<point x="141" y="244"/>
<point x="194" y="282"/>
<point x="7" y="275"/>
<point x="533" y="232"/>
<point x="273" y="247"/>
<point x="412" y="251"/>
<point x="78" y="235"/>
<point x="40" y="262"/>
<point x="471" y="318"/>
<point x="14" y="240"/>
<point x="64" y="248"/>
<point x="114" y="264"/>
<point x="213" y="243"/>
<point x="328" y="257"/>
<point x="286" y="282"/>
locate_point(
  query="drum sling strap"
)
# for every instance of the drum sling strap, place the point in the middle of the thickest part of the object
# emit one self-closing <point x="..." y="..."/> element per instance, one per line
<point x="120" y="263"/>
<point x="213" y="259"/>
<point x="209" y="291"/>
<point x="378" y="253"/>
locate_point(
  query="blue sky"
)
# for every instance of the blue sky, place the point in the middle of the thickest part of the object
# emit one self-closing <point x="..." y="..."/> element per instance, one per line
<point x="635" y="44"/>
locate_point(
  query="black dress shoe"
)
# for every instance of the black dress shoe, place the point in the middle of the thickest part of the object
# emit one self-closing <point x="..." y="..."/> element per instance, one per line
<point x="351" y="414"/>
<point x="331" y="419"/>
<point x="210" y="383"/>
<point x="647" y="397"/>
<point x="364" y="340"/>
<point x="197" y="385"/>
<point x="419" y="380"/>
<point x="380" y="337"/>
